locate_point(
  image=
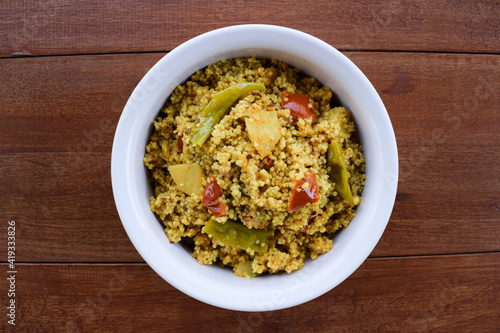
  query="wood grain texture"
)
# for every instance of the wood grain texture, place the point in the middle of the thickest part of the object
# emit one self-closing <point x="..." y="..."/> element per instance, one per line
<point x="444" y="110"/>
<point x="66" y="103"/>
<point x="64" y="209"/>
<point x="67" y="69"/>
<point x="438" y="294"/>
<point x="31" y="27"/>
<point x="445" y="98"/>
<point x="55" y="179"/>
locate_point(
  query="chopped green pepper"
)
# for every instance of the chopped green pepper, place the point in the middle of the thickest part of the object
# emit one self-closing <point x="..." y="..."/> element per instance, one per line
<point x="237" y="235"/>
<point x="338" y="172"/>
<point x="215" y="109"/>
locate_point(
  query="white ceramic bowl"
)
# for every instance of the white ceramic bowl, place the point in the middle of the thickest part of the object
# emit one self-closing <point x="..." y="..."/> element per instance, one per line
<point x="212" y="284"/>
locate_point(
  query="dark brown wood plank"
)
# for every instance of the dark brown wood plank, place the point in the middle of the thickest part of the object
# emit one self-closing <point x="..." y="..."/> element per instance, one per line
<point x="447" y="97"/>
<point x="63" y="207"/>
<point x="66" y="103"/>
<point x="445" y="115"/>
<point x="443" y="108"/>
<point x="55" y="27"/>
<point x="414" y="294"/>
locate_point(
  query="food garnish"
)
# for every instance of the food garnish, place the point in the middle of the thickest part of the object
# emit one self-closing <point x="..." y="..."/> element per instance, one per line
<point x="338" y="173"/>
<point x="303" y="193"/>
<point x="215" y="110"/>
<point x="298" y="104"/>
<point x="236" y="234"/>
<point x="211" y="199"/>
<point x="264" y="130"/>
<point x="188" y="177"/>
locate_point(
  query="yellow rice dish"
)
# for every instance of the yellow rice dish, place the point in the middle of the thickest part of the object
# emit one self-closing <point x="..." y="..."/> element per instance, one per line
<point x="254" y="166"/>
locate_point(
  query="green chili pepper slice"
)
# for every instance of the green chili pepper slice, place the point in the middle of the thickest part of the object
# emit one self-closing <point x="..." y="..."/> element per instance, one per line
<point x="237" y="235"/>
<point x="338" y="174"/>
<point x="215" y="109"/>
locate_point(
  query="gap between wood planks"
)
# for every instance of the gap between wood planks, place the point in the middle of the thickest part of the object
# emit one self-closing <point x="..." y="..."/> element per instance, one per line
<point x="22" y="56"/>
<point x="144" y="263"/>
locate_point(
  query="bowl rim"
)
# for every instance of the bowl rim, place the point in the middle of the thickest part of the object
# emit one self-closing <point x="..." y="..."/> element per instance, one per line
<point x="193" y="281"/>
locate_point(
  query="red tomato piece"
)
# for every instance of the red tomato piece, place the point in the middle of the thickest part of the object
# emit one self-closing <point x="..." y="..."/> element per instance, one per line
<point x="211" y="199"/>
<point x="301" y="198"/>
<point x="298" y="105"/>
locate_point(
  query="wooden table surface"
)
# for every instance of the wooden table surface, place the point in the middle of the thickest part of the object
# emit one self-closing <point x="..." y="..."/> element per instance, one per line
<point x="67" y="69"/>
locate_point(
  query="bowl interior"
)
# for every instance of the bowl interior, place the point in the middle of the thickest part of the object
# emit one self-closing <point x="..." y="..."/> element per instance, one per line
<point x="212" y="284"/>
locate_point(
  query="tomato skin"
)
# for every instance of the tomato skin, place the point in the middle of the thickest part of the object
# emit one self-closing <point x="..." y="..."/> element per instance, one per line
<point x="211" y="199"/>
<point x="299" y="199"/>
<point x="298" y="104"/>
